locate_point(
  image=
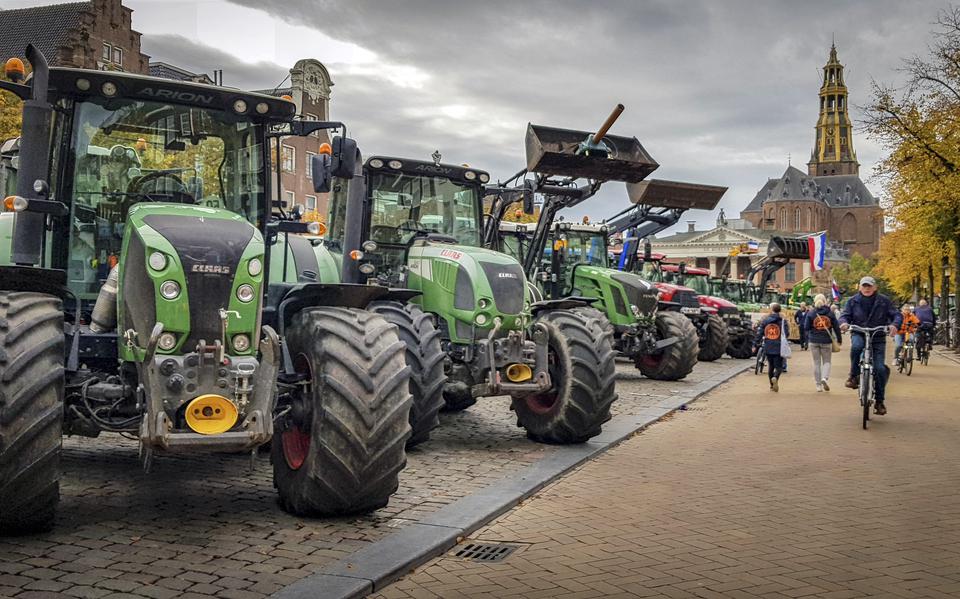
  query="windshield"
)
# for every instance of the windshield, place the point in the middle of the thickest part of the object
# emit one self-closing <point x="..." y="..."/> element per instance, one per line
<point x="138" y="151"/>
<point x="403" y="205"/>
<point x="587" y="248"/>
<point x="698" y="284"/>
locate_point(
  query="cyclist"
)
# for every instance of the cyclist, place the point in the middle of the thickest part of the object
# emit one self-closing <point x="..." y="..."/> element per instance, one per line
<point x="928" y="322"/>
<point x="906" y="332"/>
<point x="771" y="332"/>
<point x="870" y="309"/>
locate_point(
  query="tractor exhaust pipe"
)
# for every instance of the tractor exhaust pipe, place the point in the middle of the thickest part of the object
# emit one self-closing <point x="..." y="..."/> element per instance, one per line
<point x="34" y="139"/>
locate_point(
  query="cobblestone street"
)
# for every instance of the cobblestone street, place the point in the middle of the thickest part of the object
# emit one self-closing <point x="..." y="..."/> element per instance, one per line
<point x="208" y="525"/>
<point x="747" y="494"/>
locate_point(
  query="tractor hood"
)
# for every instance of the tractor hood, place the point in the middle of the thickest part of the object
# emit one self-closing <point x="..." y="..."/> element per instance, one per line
<point x="199" y="271"/>
<point x="468" y="287"/>
<point x="622" y="296"/>
<point x="719" y="303"/>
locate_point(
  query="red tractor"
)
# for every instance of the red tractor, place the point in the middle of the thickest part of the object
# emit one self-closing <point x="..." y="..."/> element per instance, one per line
<point x="674" y="296"/>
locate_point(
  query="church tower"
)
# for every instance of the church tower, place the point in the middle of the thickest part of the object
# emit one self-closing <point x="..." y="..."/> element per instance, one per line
<point x="833" y="151"/>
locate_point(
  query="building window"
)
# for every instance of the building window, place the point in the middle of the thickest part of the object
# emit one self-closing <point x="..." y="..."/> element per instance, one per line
<point x="117" y="55"/>
<point x="106" y="52"/>
<point x="288" y="159"/>
<point x="312" y="117"/>
<point x="796" y="220"/>
<point x="309" y="167"/>
<point x="790" y="272"/>
<point x="289" y="199"/>
<point x="783" y="219"/>
<point x="311" y="203"/>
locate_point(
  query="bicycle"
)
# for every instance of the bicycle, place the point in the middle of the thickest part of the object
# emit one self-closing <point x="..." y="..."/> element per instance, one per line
<point x="905" y="359"/>
<point x="924" y="346"/>
<point x="761" y="361"/>
<point x="867" y="391"/>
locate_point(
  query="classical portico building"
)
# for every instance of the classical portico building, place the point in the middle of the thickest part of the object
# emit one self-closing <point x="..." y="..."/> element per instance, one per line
<point x="829" y="196"/>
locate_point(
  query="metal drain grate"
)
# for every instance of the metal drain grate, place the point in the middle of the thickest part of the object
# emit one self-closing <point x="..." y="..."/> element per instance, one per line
<point x="485" y="552"/>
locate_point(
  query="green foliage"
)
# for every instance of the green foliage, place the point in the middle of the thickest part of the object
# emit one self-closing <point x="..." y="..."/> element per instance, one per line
<point x="848" y="276"/>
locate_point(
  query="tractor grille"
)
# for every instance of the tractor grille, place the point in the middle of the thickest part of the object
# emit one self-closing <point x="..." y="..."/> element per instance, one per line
<point x="728" y="311"/>
<point x="639" y="293"/>
<point x="204" y="245"/>
<point x="686" y="299"/>
<point x="508" y="284"/>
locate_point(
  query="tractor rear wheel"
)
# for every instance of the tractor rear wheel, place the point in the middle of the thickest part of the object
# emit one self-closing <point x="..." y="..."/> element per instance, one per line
<point x="340" y="448"/>
<point x="31" y="410"/>
<point x="424" y="356"/>
<point x="582" y="370"/>
<point x="740" y="347"/>
<point x="715" y="341"/>
<point x="675" y="361"/>
<point x="589" y="312"/>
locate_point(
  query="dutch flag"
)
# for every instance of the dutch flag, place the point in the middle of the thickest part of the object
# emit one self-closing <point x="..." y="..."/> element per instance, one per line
<point x="753" y="245"/>
<point x="836" y="290"/>
<point x="817" y="245"/>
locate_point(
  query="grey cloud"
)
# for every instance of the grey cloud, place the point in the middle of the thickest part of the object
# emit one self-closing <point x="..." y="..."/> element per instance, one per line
<point x="719" y="92"/>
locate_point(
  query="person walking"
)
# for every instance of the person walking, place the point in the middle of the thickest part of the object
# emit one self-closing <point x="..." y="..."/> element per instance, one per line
<point x="823" y="329"/>
<point x="800" y="318"/>
<point x="773" y="332"/>
<point x="867" y="308"/>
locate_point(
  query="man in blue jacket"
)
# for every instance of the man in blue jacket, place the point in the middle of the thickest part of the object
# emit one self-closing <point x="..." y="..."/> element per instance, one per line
<point x="870" y="309"/>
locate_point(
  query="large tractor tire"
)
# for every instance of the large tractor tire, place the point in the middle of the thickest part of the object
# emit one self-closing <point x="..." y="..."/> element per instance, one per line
<point x="425" y="358"/>
<point x="589" y="312"/>
<point x="31" y="410"/>
<point x="675" y="361"/>
<point x="740" y="347"/>
<point x="582" y="370"/>
<point x="715" y="339"/>
<point x="340" y="449"/>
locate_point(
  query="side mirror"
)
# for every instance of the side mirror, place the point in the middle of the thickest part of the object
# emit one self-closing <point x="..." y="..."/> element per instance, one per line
<point x="321" y="166"/>
<point x="528" y="206"/>
<point x="345" y="157"/>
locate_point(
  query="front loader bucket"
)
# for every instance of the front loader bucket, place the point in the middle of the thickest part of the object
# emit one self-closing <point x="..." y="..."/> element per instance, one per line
<point x="553" y="152"/>
<point x="675" y="194"/>
<point x="794" y="248"/>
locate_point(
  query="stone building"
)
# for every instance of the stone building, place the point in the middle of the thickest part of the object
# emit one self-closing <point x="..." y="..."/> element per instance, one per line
<point x="829" y="197"/>
<point x="310" y="87"/>
<point x="90" y="35"/>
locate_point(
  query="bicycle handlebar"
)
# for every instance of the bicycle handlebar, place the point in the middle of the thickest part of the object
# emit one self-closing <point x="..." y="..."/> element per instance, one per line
<point x="871" y="330"/>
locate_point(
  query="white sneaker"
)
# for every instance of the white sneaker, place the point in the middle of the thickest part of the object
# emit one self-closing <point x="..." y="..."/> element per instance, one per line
<point x="824" y="384"/>
<point x="819" y="388"/>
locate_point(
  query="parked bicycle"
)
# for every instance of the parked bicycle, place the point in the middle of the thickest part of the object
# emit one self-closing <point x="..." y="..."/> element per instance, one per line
<point x="867" y="389"/>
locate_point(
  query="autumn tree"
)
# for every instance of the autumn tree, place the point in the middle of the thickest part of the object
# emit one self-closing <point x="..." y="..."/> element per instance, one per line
<point x="919" y="124"/>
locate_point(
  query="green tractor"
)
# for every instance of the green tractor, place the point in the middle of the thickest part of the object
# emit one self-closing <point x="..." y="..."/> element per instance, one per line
<point x="473" y="330"/>
<point x="140" y="297"/>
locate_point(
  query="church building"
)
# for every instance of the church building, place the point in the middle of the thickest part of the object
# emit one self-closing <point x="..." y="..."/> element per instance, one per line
<point x="829" y="196"/>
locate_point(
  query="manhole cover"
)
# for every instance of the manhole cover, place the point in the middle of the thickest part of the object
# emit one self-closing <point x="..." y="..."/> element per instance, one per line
<point x="485" y="552"/>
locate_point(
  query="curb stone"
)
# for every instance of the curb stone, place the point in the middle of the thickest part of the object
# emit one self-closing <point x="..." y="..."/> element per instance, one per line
<point x="374" y="567"/>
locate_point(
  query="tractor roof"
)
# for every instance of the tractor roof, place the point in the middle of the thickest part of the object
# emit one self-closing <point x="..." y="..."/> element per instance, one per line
<point x="599" y="229"/>
<point x="87" y="83"/>
<point x="463" y="174"/>
<point x="690" y="270"/>
<point x="507" y="226"/>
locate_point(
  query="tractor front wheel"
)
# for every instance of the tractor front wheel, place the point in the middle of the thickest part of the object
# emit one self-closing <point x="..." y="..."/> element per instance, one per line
<point x="424" y="356"/>
<point x="715" y="339"/>
<point x="340" y="448"/>
<point x="31" y="410"/>
<point x="740" y="347"/>
<point x="582" y="370"/>
<point x="676" y="361"/>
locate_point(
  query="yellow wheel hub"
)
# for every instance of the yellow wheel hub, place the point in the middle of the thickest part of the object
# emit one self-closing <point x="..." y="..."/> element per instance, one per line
<point x="211" y="414"/>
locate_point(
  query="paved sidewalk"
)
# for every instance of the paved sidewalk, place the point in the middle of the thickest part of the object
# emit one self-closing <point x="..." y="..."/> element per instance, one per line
<point x="746" y="494"/>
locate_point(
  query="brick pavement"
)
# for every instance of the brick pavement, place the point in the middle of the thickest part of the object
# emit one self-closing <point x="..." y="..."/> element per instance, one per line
<point x="746" y="494"/>
<point x="208" y="525"/>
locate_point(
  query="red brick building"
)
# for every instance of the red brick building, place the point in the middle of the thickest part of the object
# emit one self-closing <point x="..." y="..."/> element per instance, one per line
<point x="90" y="35"/>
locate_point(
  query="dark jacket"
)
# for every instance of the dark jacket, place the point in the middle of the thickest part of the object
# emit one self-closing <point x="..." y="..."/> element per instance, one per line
<point x="815" y="335"/>
<point x="883" y="313"/>
<point x="771" y="346"/>
<point x="800" y="317"/>
<point x="926" y="315"/>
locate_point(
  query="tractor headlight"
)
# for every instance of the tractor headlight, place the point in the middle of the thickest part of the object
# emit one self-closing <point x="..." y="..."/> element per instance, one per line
<point x="376" y="163"/>
<point x="395" y="164"/>
<point x="367" y="268"/>
<point x="484" y="303"/>
<point x="369" y="246"/>
<point x="481" y="319"/>
<point x="484" y="177"/>
<point x="263" y="108"/>
<point x="239" y="106"/>
<point x="245" y="293"/>
<point x="241" y="342"/>
<point x="109" y="89"/>
<point x="157" y="261"/>
<point x="167" y="341"/>
<point x="635" y="310"/>
<point x="170" y="290"/>
<point x="254" y="267"/>
<point x="470" y="175"/>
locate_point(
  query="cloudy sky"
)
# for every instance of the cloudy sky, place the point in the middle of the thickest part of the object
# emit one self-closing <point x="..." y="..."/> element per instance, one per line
<point x="718" y="91"/>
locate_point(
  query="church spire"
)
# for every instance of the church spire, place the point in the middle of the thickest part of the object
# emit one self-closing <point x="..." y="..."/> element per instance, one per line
<point x="833" y="152"/>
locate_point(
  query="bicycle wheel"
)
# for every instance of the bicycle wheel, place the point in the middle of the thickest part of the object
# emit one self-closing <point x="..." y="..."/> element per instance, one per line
<point x="761" y="359"/>
<point x="909" y="361"/>
<point x="865" y="393"/>
<point x="900" y="360"/>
